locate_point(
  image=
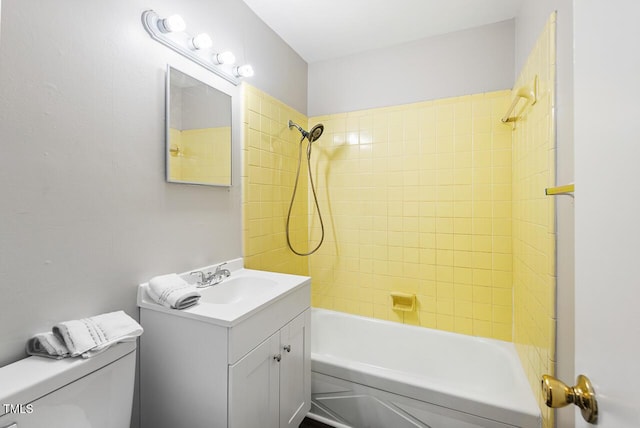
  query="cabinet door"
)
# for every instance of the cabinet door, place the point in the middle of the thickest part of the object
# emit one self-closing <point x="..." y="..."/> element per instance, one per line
<point x="295" y="371"/>
<point x="254" y="387"/>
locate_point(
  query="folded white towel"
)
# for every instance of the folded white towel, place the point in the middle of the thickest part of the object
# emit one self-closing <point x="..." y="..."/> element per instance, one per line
<point x="90" y="336"/>
<point x="172" y="291"/>
<point x="48" y="345"/>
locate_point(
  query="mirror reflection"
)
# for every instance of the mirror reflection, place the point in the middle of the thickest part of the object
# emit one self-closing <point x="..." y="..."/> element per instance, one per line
<point x="198" y="131"/>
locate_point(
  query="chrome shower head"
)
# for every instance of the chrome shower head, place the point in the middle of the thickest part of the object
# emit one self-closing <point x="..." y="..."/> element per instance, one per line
<point x="315" y="132"/>
<point x="313" y="135"/>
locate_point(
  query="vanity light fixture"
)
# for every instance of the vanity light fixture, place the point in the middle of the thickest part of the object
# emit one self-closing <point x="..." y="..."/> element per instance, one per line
<point x="243" y="71"/>
<point x="172" y="24"/>
<point x="201" y="41"/>
<point x="170" y="32"/>
<point x="224" y="58"/>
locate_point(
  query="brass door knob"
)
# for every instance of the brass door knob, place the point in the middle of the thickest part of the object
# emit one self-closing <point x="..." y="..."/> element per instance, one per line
<point x="557" y="394"/>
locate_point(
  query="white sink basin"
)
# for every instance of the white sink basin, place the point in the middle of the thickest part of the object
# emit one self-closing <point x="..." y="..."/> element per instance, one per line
<point x="237" y="297"/>
<point x="233" y="290"/>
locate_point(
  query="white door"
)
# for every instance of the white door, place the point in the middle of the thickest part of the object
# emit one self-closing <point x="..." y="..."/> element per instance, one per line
<point x="607" y="206"/>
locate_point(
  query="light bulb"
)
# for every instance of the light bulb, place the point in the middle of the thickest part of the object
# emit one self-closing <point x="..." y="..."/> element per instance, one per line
<point x="201" y="41"/>
<point x="172" y="24"/>
<point x="224" y="58"/>
<point x="243" y="71"/>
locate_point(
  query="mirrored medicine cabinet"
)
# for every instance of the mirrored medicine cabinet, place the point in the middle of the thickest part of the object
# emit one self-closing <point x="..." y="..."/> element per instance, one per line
<point x="198" y="131"/>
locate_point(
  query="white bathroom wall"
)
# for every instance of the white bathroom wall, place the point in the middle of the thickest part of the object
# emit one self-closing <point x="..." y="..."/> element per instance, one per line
<point x="461" y="63"/>
<point x="85" y="211"/>
<point x="529" y="24"/>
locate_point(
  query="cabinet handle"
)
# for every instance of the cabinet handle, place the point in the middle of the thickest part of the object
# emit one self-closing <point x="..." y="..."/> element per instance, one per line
<point x="277" y="357"/>
<point x="287" y="348"/>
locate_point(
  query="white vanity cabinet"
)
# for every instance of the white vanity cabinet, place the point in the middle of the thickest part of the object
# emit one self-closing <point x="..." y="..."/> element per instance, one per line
<point x="199" y="371"/>
<point x="270" y="386"/>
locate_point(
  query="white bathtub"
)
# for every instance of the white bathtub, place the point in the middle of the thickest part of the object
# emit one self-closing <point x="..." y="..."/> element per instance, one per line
<point x="379" y="374"/>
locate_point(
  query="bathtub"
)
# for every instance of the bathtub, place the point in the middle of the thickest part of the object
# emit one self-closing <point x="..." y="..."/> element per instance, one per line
<point x="380" y="374"/>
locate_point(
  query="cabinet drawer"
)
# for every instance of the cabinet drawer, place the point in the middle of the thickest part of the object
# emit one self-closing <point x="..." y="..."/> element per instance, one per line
<point x="254" y="330"/>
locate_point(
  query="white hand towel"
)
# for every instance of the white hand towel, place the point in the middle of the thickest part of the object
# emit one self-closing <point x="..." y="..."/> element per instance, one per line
<point x="172" y="291"/>
<point x="47" y="345"/>
<point x="90" y="336"/>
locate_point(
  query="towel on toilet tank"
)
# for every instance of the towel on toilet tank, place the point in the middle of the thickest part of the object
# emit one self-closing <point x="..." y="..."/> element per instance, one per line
<point x="172" y="291"/>
<point x="90" y="336"/>
<point x="47" y="345"/>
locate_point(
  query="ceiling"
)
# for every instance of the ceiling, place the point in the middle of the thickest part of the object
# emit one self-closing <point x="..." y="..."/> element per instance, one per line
<point x="323" y="29"/>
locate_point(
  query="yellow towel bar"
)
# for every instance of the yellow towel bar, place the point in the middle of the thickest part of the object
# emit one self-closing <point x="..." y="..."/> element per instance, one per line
<point x="560" y="190"/>
<point x="527" y="92"/>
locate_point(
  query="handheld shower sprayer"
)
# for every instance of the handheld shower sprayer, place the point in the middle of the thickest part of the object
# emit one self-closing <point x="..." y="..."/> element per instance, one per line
<point x="311" y="136"/>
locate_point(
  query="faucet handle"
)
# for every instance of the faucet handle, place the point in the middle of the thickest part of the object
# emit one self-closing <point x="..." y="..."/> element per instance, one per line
<point x="202" y="276"/>
<point x="219" y="267"/>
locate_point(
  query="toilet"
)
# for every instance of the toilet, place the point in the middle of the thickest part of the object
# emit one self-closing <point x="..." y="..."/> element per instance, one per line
<point x="96" y="392"/>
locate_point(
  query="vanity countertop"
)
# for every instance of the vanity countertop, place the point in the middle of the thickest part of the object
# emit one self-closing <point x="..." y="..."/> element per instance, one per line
<point x="242" y="294"/>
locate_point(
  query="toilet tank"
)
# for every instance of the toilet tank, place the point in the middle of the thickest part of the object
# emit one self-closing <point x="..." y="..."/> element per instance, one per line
<point x="97" y="392"/>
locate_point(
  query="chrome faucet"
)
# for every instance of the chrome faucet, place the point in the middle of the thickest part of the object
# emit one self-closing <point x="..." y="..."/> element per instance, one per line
<point x="210" y="279"/>
<point x="220" y="274"/>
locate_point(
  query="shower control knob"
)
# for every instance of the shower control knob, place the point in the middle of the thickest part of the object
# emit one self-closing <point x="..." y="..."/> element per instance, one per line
<point x="287" y="348"/>
<point x="277" y="357"/>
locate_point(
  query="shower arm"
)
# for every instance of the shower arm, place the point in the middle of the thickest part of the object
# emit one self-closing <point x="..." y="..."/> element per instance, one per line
<point x="292" y="124"/>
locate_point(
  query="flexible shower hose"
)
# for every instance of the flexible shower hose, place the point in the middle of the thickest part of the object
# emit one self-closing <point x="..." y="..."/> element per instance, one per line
<point x="315" y="200"/>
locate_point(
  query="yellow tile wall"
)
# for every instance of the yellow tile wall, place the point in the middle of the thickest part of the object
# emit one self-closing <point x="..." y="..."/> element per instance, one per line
<point x="198" y="160"/>
<point x="534" y="273"/>
<point x="417" y="199"/>
<point x="270" y="156"/>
